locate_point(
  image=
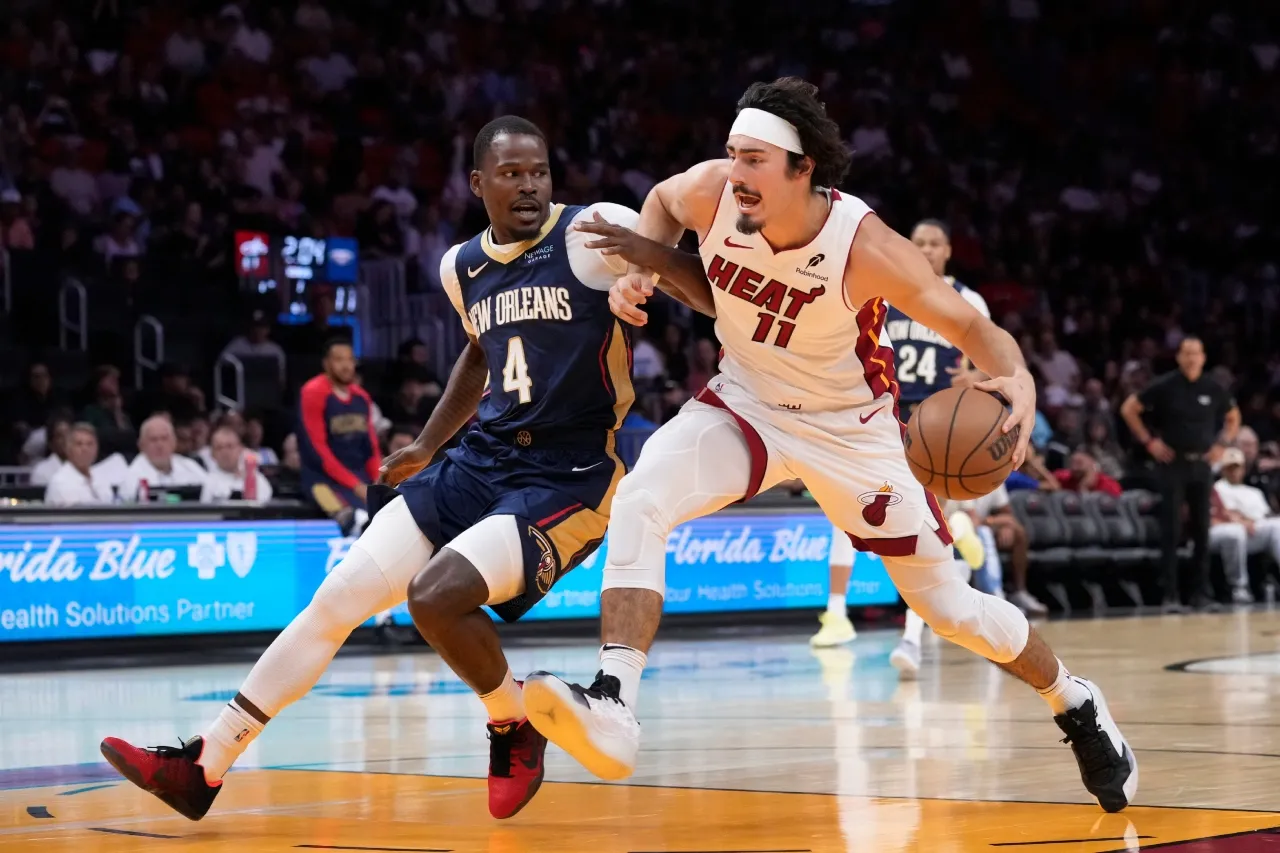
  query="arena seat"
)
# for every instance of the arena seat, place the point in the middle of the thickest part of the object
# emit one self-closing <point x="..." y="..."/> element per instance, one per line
<point x="1087" y="537"/>
<point x="1047" y="540"/>
<point x="1123" y="535"/>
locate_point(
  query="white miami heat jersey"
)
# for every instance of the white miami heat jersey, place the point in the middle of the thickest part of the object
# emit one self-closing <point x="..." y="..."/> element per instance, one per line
<point x="789" y="333"/>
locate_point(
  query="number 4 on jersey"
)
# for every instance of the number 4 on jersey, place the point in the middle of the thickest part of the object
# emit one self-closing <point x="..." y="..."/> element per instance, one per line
<point x="515" y="375"/>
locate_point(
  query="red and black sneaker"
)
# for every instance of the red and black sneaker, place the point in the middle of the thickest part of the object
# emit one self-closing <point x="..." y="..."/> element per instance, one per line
<point x="169" y="772"/>
<point x="516" y="766"/>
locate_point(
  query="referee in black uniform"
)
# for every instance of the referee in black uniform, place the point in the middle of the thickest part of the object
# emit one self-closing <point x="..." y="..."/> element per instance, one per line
<point x="1178" y="418"/>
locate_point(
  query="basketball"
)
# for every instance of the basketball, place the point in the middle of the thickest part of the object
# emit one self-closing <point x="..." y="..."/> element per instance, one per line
<point x="954" y="444"/>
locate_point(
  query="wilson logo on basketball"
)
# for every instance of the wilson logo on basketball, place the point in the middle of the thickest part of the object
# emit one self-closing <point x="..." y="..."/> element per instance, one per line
<point x="545" y="575"/>
<point x="1001" y="447"/>
<point x="876" y="504"/>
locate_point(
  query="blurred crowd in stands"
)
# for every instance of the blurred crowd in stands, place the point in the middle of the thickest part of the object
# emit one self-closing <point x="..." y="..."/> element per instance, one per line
<point x="1105" y="167"/>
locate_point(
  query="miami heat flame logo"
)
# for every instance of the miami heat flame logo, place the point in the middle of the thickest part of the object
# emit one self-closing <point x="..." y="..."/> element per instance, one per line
<point x="875" y="505"/>
<point x="545" y="575"/>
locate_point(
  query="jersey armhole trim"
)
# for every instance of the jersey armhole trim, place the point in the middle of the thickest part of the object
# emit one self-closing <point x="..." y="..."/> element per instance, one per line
<point x="844" y="288"/>
<point x="714" y="214"/>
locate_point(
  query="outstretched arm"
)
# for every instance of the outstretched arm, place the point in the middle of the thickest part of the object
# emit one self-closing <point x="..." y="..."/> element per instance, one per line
<point x="680" y="274"/>
<point x="686" y="201"/>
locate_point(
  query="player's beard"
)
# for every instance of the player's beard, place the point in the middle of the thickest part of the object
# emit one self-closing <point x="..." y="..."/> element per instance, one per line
<point x="747" y="225"/>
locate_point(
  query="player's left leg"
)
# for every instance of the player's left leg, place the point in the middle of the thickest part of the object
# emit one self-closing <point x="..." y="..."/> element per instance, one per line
<point x="867" y="488"/>
<point x="483" y="565"/>
<point x="837" y="629"/>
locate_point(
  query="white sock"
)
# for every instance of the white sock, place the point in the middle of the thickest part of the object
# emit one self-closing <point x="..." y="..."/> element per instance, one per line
<point x="506" y="703"/>
<point x="913" y="632"/>
<point x="1066" y="692"/>
<point x="837" y="605"/>
<point x="226" y="740"/>
<point x="626" y="664"/>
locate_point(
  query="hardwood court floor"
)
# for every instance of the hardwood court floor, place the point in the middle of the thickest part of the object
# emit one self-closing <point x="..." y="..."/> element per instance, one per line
<point x="749" y="744"/>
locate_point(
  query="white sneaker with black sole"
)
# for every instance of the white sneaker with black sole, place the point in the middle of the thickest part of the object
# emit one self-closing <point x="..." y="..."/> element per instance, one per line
<point x="592" y="724"/>
<point x="1108" y="766"/>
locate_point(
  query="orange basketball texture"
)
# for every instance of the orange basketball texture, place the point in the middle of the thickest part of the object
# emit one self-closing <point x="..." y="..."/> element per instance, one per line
<point x="955" y="446"/>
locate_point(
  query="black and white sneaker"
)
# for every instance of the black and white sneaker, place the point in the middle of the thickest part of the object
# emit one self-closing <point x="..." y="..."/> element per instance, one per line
<point x="1107" y="764"/>
<point x="592" y="724"/>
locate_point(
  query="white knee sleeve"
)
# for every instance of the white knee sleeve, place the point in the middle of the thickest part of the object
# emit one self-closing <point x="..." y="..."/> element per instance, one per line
<point x="396" y="546"/>
<point x="352" y="593"/>
<point x="695" y="463"/>
<point x="638" y="530"/>
<point x="493" y="546"/>
<point x="356" y="590"/>
<point x="981" y="623"/>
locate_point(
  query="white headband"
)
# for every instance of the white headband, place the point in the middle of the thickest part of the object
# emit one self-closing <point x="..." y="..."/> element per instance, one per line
<point x="768" y="127"/>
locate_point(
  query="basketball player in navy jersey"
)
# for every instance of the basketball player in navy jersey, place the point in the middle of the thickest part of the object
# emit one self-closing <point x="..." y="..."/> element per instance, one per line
<point x="926" y="363"/>
<point x="523" y="499"/>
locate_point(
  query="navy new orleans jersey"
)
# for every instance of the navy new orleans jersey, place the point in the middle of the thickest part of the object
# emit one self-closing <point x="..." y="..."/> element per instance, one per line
<point x="923" y="355"/>
<point x="559" y="386"/>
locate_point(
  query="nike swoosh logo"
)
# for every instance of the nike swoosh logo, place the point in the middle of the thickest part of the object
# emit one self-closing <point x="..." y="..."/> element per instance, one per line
<point x="865" y="418"/>
<point x="589" y="467"/>
<point x="531" y="763"/>
<point x="475" y="272"/>
<point x="733" y="245"/>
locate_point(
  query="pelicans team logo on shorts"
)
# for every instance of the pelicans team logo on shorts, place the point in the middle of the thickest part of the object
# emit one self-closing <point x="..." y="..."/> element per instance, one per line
<point x="545" y="576"/>
<point x="875" y="505"/>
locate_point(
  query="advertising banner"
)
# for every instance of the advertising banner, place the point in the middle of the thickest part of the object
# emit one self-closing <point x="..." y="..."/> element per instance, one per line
<point x="89" y="580"/>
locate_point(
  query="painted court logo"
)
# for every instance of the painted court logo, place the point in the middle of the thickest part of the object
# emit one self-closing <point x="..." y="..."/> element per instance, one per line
<point x="875" y="505"/>
<point x="545" y="575"/>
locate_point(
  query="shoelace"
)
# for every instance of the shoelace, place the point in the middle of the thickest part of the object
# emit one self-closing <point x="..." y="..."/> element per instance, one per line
<point x="1090" y="743"/>
<point x="605" y="687"/>
<point x="170" y="751"/>
<point x="500" y="752"/>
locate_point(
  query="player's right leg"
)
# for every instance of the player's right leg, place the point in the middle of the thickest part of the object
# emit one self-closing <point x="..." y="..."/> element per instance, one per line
<point x="695" y="464"/>
<point x="373" y="576"/>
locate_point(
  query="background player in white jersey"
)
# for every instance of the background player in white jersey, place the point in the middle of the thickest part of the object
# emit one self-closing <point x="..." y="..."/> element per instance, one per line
<point x="800" y="275"/>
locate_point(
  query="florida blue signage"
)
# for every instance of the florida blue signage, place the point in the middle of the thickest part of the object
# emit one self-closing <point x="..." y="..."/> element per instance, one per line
<point x="86" y="581"/>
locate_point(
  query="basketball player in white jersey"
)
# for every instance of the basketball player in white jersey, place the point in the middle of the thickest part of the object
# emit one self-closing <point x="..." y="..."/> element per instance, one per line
<point x="800" y="274"/>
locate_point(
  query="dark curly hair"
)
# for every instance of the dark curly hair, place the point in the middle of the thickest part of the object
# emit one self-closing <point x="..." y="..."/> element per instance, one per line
<point x="797" y="101"/>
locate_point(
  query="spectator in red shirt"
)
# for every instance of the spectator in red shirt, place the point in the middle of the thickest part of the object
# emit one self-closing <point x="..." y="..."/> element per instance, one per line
<point x="337" y="439"/>
<point x="1085" y="475"/>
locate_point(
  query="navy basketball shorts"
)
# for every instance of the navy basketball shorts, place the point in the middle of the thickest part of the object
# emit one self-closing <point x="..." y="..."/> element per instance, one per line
<point x="560" y="500"/>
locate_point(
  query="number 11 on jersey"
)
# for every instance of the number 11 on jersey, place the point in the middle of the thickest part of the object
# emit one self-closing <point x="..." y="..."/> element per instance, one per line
<point x="515" y="375"/>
